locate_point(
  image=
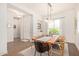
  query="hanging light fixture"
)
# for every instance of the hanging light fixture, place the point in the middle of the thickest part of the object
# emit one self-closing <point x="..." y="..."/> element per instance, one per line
<point x="49" y="16"/>
<point x="49" y="11"/>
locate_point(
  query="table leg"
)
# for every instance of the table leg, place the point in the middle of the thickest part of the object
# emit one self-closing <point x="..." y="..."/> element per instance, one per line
<point x="50" y="50"/>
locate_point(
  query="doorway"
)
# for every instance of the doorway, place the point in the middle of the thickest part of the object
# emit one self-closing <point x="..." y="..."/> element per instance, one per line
<point x="16" y="27"/>
<point x="19" y="25"/>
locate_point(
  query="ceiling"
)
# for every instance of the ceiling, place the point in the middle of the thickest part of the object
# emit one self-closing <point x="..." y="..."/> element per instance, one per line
<point x="43" y="8"/>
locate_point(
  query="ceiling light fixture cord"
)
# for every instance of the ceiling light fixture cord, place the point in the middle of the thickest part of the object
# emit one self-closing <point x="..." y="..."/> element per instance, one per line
<point x="50" y="6"/>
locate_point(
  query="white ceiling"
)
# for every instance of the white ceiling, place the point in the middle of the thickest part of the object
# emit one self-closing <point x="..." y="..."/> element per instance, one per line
<point x="43" y="9"/>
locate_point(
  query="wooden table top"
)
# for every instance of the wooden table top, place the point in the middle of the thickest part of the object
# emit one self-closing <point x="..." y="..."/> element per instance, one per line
<point x="49" y="39"/>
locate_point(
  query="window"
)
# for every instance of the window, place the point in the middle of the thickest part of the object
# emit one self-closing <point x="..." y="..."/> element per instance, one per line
<point x="56" y="23"/>
<point x="55" y="26"/>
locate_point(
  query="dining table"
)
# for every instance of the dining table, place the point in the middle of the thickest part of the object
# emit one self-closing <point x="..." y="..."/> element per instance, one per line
<point x="50" y="40"/>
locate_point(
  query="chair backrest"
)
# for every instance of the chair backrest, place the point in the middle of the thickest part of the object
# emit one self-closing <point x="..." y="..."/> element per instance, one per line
<point x="40" y="47"/>
<point x="58" y="44"/>
<point x="55" y="46"/>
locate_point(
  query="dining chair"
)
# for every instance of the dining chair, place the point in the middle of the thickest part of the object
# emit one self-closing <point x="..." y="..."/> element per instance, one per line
<point x="58" y="47"/>
<point x="41" y="47"/>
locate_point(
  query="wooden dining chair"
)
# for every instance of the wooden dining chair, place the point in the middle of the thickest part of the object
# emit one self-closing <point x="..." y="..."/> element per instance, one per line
<point x="41" y="47"/>
<point x="59" y="46"/>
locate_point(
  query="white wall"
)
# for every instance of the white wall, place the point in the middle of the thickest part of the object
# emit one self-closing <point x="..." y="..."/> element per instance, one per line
<point x="77" y="25"/>
<point x="13" y="33"/>
<point x="10" y="26"/>
<point x="44" y="27"/>
<point x="26" y="27"/>
<point x="37" y="19"/>
<point x="68" y="25"/>
<point x="77" y="35"/>
<point x="77" y="29"/>
<point x="3" y="29"/>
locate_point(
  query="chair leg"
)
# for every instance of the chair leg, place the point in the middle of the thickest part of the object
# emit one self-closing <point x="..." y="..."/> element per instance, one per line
<point x="35" y="53"/>
<point x="48" y="53"/>
<point x="40" y="54"/>
<point x="31" y="45"/>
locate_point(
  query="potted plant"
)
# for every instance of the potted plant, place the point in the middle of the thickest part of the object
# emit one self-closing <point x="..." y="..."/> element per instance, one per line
<point x="54" y="31"/>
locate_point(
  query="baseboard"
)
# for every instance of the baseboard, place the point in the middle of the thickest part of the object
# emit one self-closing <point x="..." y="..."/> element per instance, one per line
<point x="24" y="40"/>
<point x="9" y="41"/>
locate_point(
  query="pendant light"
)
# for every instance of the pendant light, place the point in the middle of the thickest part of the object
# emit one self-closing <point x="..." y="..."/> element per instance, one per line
<point x="49" y="15"/>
